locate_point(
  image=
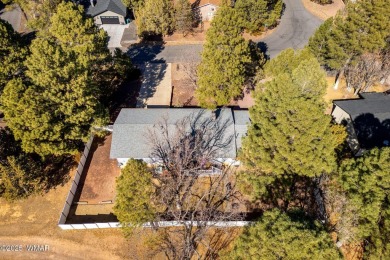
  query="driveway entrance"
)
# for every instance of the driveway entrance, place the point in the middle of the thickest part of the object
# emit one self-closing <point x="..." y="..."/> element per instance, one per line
<point x="115" y="32"/>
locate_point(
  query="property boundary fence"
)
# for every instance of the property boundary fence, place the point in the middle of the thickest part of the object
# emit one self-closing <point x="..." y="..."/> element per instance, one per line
<point x="69" y="201"/>
<point x="75" y="183"/>
<point x="154" y="224"/>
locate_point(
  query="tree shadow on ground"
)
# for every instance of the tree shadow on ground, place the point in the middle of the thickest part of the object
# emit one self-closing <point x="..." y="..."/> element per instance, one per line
<point x="264" y="48"/>
<point x="145" y="52"/>
<point x="57" y="170"/>
<point x="371" y="131"/>
<point x="152" y="75"/>
<point x="124" y="97"/>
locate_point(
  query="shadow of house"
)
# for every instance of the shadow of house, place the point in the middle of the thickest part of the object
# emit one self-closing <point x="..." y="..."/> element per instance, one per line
<point x="367" y="120"/>
<point x="372" y="131"/>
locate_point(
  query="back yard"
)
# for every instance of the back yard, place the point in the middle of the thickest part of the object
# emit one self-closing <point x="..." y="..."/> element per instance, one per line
<point x="34" y="221"/>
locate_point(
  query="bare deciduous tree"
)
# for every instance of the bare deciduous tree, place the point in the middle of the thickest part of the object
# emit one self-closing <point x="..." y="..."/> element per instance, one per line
<point x="195" y="198"/>
<point x="368" y="69"/>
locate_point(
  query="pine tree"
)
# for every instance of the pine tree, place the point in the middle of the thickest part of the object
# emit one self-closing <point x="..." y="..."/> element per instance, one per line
<point x="222" y="71"/>
<point x="279" y="236"/>
<point x="289" y="133"/>
<point x="20" y="175"/>
<point x="134" y="4"/>
<point x="12" y="54"/>
<point x="257" y="13"/>
<point x="183" y="16"/>
<point x="366" y="183"/>
<point x="155" y="18"/>
<point x="133" y="204"/>
<point x="289" y="136"/>
<point x="364" y="29"/>
<point x="54" y="111"/>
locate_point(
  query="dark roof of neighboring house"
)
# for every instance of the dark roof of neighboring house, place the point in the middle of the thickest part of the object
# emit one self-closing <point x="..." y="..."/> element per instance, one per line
<point x="102" y="6"/>
<point x="371" y="118"/>
<point x="131" y="128"/>
<point x="377" y="104"/>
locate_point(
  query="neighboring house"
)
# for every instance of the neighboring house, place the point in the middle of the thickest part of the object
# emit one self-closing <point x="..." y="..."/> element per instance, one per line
<point x="131" y="128"/>
<point x="205" y="10"/>
<point x="107" y="11"/>
<point x="367" y="120"/>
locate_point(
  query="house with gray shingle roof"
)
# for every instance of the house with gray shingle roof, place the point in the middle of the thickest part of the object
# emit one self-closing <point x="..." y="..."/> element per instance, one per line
<point x="107" y="11"/>
<point x="131" y="129"/>
<point x="367" y="120"/>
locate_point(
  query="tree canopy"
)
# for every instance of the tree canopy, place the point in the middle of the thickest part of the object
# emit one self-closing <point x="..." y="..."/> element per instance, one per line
<point x="135" y="190"/>
<point x="289" y="133"/>
<point x="12" y="53"/>
<point x="278" y="236"/>
<point x="255" y="14"/>
<point x="21" y="175"/>
<point x="222" y="71"/>
<point x="364" y="29"/>
<point x="155" y="17"/>
<point x="290" y="139"/>
<point x="366" y="183"/>
<point x="183" y="16"/>
<point x="54" y="109"/>
<point x="134" y="4"/>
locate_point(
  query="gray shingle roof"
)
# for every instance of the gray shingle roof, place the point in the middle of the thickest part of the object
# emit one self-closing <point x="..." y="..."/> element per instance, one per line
<point x="102" y="6"/>
<point x="377" y="104"/>
<point x="241" y="122"/>
<point x="131" y="129"/>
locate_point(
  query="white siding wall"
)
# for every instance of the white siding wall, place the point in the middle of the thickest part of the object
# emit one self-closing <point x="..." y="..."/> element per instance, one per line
<point x="98" y="21"/>
<point x="228" y="161"/>
<point x="122" y="161"/>
<point x="340" y="115"/>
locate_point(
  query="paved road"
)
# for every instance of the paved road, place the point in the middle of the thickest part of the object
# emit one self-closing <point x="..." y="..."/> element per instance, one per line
<point x="161" y="53"/>
<point x="13" y="17"/>
<point x="294" y="31"/>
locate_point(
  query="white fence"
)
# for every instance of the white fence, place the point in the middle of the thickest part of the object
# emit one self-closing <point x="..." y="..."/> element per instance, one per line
<point x="159" y="224"/>
<point x="72" y="192"/>
<point x="75" y="183"/>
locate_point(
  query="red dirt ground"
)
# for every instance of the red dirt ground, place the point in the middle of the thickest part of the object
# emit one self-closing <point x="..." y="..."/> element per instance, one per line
<point x="99" y="184"/>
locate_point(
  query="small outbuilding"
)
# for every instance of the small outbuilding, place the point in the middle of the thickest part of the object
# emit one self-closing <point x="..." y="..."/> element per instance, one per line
<point x="107" y="11"/>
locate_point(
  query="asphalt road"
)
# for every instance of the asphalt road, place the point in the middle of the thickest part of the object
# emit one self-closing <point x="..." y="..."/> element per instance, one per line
<point x="294" y="31"/>
<point x="295" y="28"/>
